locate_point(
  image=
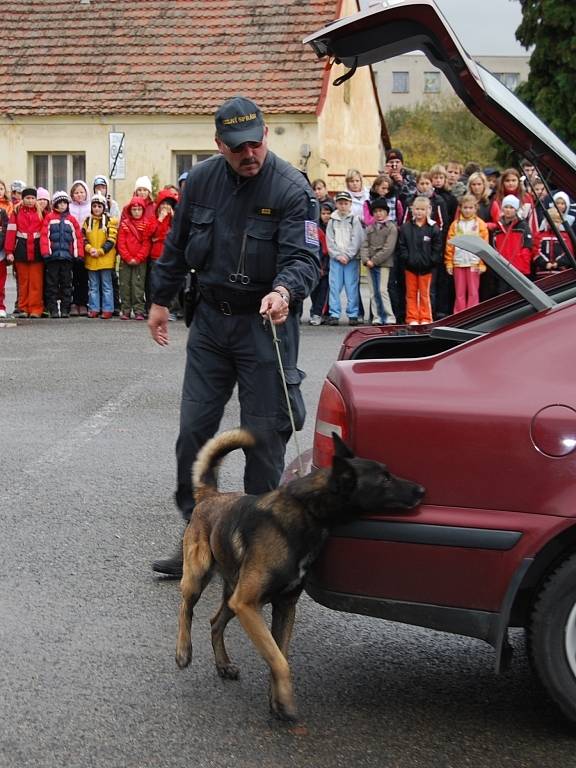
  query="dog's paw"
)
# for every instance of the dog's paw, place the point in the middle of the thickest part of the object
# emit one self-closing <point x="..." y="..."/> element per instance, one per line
<point x="228" y="671"/>
<point x="183" y="656"/>
<point x="286" y="712"/>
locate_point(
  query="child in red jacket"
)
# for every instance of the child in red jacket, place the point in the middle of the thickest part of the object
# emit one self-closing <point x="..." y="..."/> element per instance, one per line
<point x="133" y="245"/>
<point x="23" y="248"/>
<point x="512" y="239"/>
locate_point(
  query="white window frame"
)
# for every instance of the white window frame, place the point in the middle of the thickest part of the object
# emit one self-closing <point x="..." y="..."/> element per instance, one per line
<point x="71" y="159"/>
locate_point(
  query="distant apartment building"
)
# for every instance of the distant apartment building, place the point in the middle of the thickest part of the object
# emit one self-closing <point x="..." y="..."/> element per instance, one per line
<point x="411" y="79"/>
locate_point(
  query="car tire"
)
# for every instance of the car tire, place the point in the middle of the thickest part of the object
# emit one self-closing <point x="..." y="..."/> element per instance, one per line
<point x="552" y="636"/>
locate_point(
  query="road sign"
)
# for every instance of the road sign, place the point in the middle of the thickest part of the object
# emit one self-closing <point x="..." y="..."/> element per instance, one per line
<point x="117" y="155"/>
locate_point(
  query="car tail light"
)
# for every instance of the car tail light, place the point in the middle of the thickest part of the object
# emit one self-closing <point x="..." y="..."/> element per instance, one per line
<point x="330" y="417"/>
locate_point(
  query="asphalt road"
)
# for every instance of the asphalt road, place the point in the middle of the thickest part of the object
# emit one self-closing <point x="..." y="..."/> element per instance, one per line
<point x="88" y="418"/>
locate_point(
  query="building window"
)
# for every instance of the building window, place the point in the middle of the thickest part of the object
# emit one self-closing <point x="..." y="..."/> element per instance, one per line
<point x="509" y="79"/>
<point x="185" y="160"/>
<point x="57" y="171"/>
<point x="400" y="82"/>
<point x="431" y="82"/>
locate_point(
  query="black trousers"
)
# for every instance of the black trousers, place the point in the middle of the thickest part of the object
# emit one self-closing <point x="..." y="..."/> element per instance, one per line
<point x="58" y="285"/>
<point x="80" y="284"/>
<point x="222" y="351"/>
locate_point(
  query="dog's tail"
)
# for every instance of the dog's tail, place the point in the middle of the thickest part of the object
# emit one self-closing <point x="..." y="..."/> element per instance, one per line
<point x="204" y="475"/>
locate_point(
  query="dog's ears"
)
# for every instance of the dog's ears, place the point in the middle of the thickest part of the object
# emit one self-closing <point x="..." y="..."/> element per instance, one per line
<point x="343" y="477"/>
<point x="340" y="447"/>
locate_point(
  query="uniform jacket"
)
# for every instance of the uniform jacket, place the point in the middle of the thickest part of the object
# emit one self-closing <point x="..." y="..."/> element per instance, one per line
<point x="380" y="244"/>
<point x="23" y="235"/>
<point x="344" y="236"/>
<point x="456" y="257"/>
<point x="158" y="230"/>
<point x="420" y="248"/>
<point x="133" y="237"/>
<point x="514" y="242"/>
<point x="100" y="232"/>
<point x="61" y="238"/>
<point x="265" y="226"/>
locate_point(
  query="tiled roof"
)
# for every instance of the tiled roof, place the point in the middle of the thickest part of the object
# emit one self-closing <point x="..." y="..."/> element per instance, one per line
<point x="176" y="57"/>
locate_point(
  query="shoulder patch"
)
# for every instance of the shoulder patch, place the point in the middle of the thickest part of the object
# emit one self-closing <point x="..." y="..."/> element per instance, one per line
<point x="311" y="233"/>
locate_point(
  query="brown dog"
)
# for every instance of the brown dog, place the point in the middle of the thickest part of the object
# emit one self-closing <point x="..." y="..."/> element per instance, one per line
<point x="264" y="545"/>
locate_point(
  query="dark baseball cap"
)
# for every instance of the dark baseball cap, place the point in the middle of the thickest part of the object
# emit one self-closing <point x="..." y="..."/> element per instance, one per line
<point x="239" y="120"/>
<point x="344" y="195"/>
<point x="394" y="154"/>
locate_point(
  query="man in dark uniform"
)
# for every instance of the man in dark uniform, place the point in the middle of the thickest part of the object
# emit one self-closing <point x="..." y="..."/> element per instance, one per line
<point x="247" y="224"/>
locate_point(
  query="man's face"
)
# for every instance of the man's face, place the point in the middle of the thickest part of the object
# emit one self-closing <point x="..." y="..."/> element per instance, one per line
<point x="529" y="170"/>
<point x="247" y="159"/>
<point x="394" y="167"/>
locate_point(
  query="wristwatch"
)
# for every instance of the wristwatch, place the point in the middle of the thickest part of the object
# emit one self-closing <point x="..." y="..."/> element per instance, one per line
<point x="283" y="292"/>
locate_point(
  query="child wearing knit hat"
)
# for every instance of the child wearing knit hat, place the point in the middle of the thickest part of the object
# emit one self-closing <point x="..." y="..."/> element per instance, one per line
<point x="143" y="189"/>
<point x="43" y="197"/>
<point x="61" y="243"/>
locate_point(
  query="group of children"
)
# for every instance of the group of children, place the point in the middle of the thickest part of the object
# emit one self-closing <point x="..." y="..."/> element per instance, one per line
<point x="400" y="231"/>
<point x="78" y="254"/>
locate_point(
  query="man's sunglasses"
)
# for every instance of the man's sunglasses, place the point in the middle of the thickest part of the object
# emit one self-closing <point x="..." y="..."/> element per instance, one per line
<point x="244" y="145"/>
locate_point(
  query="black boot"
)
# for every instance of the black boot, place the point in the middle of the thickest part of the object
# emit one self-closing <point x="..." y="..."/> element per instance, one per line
<point x="171" y="566"/>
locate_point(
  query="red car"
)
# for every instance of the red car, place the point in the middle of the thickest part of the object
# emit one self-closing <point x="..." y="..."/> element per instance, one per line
<point x="480" y="408"/>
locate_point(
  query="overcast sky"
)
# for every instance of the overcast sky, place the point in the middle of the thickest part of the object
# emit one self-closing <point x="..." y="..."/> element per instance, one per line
<point x="484" y="27"/>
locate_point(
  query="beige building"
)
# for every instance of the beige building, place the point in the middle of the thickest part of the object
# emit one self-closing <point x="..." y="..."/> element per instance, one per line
<point x="411" y="79"/>
<point x="128" y="88"/>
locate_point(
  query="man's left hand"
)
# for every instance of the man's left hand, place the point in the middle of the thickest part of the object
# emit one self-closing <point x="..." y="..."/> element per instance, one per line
<point x="274" y="307"/>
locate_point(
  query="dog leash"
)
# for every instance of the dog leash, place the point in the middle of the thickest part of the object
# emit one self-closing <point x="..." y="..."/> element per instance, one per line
<point x="276" y="341"/>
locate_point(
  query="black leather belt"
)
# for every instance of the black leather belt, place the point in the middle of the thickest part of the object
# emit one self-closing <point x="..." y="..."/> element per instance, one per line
<point x="231" y="302"/>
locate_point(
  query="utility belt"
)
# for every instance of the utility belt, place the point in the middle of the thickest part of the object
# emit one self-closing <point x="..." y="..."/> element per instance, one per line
<point x="231" y="302"/>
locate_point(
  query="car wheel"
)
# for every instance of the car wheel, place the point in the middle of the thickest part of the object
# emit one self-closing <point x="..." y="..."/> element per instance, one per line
<point x="552" y="636"/>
